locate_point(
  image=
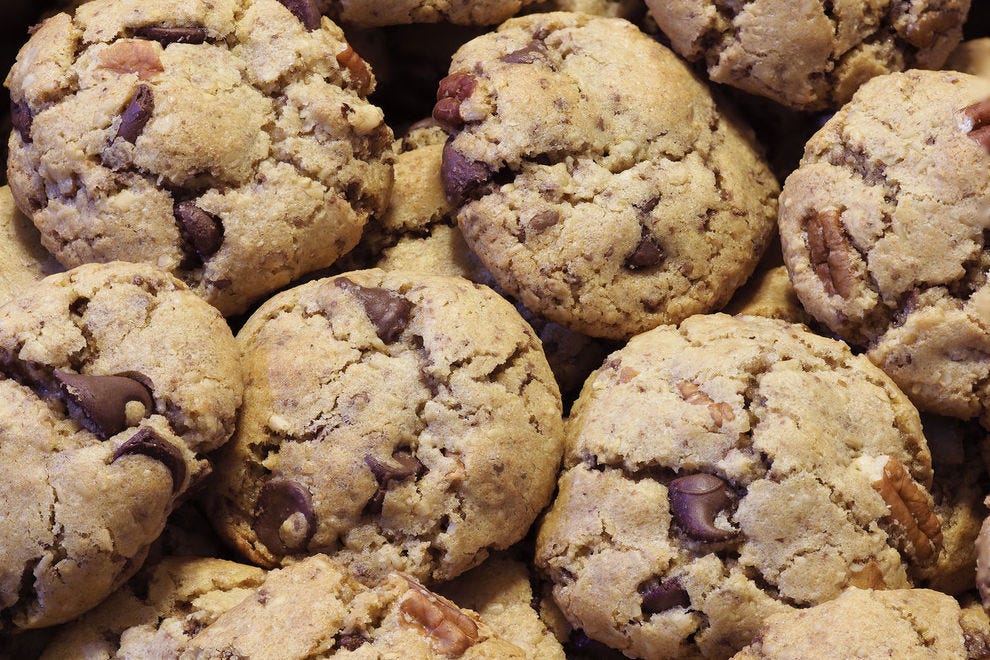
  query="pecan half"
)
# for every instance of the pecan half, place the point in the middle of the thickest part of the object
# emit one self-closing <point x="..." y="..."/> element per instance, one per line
<point x="911" y="512"/>
<point x="720" y="411"/>
<point x="451" y="630"/>
<point x="979" y="114"/>
<point x="451" y="92"/>
<point x="360" y="74"/>
<point x="132" y="56"/>
<point x="830" y="252"/>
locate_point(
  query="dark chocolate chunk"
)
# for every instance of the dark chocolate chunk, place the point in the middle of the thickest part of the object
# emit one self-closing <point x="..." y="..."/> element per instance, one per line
<point x="203" y="230"/>
<point x="148" y="443"/>
<point x="404" y="466"/>
<point x="534" y="51"/>
<point x="136" y="114"/>
<point x="99" y="403"/>
<point x="305" y="10"/>
<point x="662" y="595"/>
<point x="695" y="502"/>
<point x="279" y="500"/>
<point x="21" y="119"/>
<point x="544" y="220"/>
<point x="461" y="176"/>
<point x="388" y="311"/>
<point x="350" y="642"/>
<point x="171" y="35"/>
<point x="648" y="253"/>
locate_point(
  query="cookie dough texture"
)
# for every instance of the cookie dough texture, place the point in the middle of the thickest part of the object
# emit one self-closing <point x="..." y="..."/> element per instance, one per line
<point x="883" y="230"/>
<point x="397" y="421"/>
<point x="810" y="54"/>
<point x="596" y="178"/>
<point x="227" y="141"/>
<point x="803" y="440"/>
<point x="901" y="623"/>
<point x="23" y="260"/>
<point x="90" y="474"/>
<point x="971" y="56"/>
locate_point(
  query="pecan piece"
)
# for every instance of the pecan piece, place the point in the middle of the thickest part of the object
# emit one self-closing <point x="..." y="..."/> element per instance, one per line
<point x="451" y="92"/>
<point x="979" y="114"/>
<point x="360" y="74"/>
<point x="132" y="56"/>
<point x="829" y="251"/>
<point x="720" y="411"/>
<point x="911" y="512"/>
<point x="452" y="631"/>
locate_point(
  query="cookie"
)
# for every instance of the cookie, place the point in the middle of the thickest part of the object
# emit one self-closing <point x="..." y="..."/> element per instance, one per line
<point x="725" y="470"/>
<point x="882" y="230"/>
<point x="501" y="591"/>
<point x="628" y="9"/>
<point x="216" y="140"/>
<point x="116" y="381"/>
<point x="901" y="623"/>
<point x="365" y="13"/>
<point x="595" y="177"/>
<point x="971" y="56"/>
<point x="396" y="421"/>
<point x="769" y="292"/>
<point x="23" y="260"/>
<point x="809" y="55"/>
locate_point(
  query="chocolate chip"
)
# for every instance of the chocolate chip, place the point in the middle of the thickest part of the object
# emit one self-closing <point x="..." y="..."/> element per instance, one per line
<point x="136" y="114"/>
<point x="662" y="595"/>
<point x="648" y="253"/>
<point x="148" y="443"/>
<point x="461" y="176"/>
<point x="171" y="35"/>
<point x="695" y="502"/>
<point x="534" y="51"/>
<point x="278" y="501"/>
<point x="388" y="311"/>
<point x="350" y="642"/>
<point x="405" y="465"/>
<point x="544" y="220"/>
<point x="99" y="403"/>
<point x="203" y="230"/>
<point x="305" y="10"/>
<point x="21" y="119"/>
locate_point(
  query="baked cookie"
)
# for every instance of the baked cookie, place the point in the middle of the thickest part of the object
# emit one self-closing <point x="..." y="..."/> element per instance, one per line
<point x="397" y="421"/>
<point x="365" y="13"/>
<point x="883" y="232"/>
<point x="976" y="626"/>
<point x="971" y="56"/>
<point x="631" y="10"/>
<point x="596" y="178"/>
<point x="207" y="608"/>
<point x="769" y="292"/>
<point x="227" y="141"/>
<point x="23" y="260"/>
<point x="725" y="470"/>
<point x="810" y="54"/>
<point x="867" y="624"/>
<point x="501" y="591"/>
<point x="115" y="381"/>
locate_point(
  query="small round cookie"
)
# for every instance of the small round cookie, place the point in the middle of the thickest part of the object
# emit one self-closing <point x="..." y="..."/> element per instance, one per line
<point x="971" y="56"/>
<point x="115" y="381"/>
<point x="810" y="54"/>
<point x="769" y="291"/>
<point x="229" y="142"/>
<point x="395" y="420"/>
<point x="595" y="176"/>
<point x="727" y="469"/>
<point x="23" y="260"/>
<point x="368" y="13"/>
<point x="631" y="10"/>
<point x="883" y="230"/>
<point x="866" y="624"/>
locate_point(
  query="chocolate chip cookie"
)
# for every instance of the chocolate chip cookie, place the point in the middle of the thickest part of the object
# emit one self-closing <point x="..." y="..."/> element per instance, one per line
<point x="366" y="13"/>
<point x="725" y="470"/>
<point x="394" y="420"/>
<point x="23" y="260"/>
<point x="595" y="176"/>
<point x="810" y="54"/>
<point x="116" y="380"/>
<point x="229" y="142"/>
<point x="883" y="230"/>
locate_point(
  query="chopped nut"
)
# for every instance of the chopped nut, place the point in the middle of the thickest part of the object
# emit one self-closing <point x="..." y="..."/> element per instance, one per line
<point x="452" y="631"/>
<point x="626" y="374"/>
<point x="132" y="56"/>
<point x="830" y="252"/>
<point x="911" y="510"/>
<point x="979" y="114"/>
<point x="720" y="411"/>
<point x="360" y="74"/>
<point x="450" y="94"/>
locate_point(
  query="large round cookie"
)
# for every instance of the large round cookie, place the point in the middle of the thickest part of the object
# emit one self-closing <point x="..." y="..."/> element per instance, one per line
<point x="883" y="230"/>
<point x="227" y="141"/>
<point x="810" y="54"/>
<point x="727" y="469"/>
<point x="365" y="13"/>
<point x="393" y="420"/>
<point x="595" y="176"/>
<point x="23" y="260"/>
<point x="115" y="380"/>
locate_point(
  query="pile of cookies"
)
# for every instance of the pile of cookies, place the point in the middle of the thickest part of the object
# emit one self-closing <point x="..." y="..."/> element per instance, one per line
<point x="502" y="329"/>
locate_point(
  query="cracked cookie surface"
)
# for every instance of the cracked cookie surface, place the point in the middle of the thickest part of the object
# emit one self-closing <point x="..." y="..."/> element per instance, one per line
<point x="810" y="54"/>
<point x="595" y="177"/>
<point x="229" y="142"/>
<point x="725" y="470"/>
<point x="100" y="436"/>
<point x="394" y="420"/>
<point x="883" y="228"/>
